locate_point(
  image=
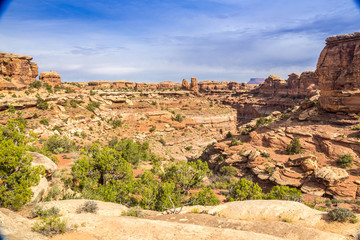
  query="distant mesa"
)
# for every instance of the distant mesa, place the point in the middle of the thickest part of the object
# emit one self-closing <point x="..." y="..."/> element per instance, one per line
<point x="256" y="80"/>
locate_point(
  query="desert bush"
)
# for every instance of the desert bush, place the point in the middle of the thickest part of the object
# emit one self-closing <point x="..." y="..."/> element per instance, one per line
<point x="178" y="118"/>
<point x="116" y="123"/>
<point x="244" y="190"/>
<point x="41" y="103"/>
<point x="43" y="213"/>
<point x="152" y="129"/>
<point x="92" y="106"/>
<point x="50" y="226"/>
<point x="44" y="121"/>
<point x="229" y="135"/>
<point x="205" y="197"/>
<point x="59" y="144"/>
<point x="345" y="160"/>
<point x="235" y="142"/>
<point x="69" y="90"/>
<point x="294" y="147"/>
<point x="88" y="207"/>
<point x="162" y="141"/>
<point x="342" y="215"/>
<point x="285" y="193"/>
<point x="11" y="109"/>
<point x="263" y="121"/>
<point x="36" y="84"/>
<point x="74" y="103"/>
<point x="134" y="212"/>
<point x="228" y="171"/>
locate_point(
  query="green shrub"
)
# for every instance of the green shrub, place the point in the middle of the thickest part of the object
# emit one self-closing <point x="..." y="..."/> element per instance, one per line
<point x="345" y="160"/>
<point x="117" y="122"/>
<point x="228" y="171"/>
<point x="92" y="106"/>
<point x="41" y="104"/>
<point x="152" y="129"/>
<point x="44" y="121"/>
<point x="229" y="135"/>
<point x="59" y="144"/>
<point x="36" y="84"/>
<point x="342" y="215"/>
<point x="285" y="193"/>
<point x="244" y="190"/>
<point x="205" y="197"/>
<point x="294" y="147"/>
<point x="43" y="213"/>
<point x="7" y="79"/>
<point x="162" y="141"/>
<point x="179" y="118"/>
<point x="133" y="212"/>
<point x="69" y="90"/>
<point x="74" y="103"/>
<point x="235" y="142"/>
<point x="50" y="226"/>
<point x="357" y="127"/>
<point x="188" y="148"/>
<point x="48" y="87"/>
<point x="88" y="207"/>
<point x="92" y="93"/>
<point x="263" y="121"/>
<point x="11" y="109"/>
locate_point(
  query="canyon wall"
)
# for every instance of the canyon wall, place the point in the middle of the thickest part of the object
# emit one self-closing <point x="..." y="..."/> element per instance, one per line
<point x="338" y="69"/>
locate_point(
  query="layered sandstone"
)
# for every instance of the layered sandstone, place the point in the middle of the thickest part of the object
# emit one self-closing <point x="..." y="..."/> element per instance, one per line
<point x="51" y="78"/>
<point x="16" y="69"/>
<point x="338" y="69"/>
<point x="185" y="84"/>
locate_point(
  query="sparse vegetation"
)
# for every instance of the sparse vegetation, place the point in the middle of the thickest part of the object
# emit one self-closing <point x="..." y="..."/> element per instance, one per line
<point x="244" y="190"/>
<point x="342" y="215"/>
<point x="41" y="103"/>
<point x="59" y="144"/>
<point x="229" y="135"/>
<point x="345" y="160"/>
<point x="264" y="120"/>
<point x="294" y="147"/>
<point x="50" y="222"/>
<point x="92" y="106"/>
<point x="88" y="207"/>
<point x="235" y="142"/>
<point x="44" y="121"/>
<point x="179" y="118"/>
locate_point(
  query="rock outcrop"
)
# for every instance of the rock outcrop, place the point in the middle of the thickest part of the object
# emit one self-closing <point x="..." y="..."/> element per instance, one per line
<point x="194" y="84"/>
<point x="185" y="84"/>
<point x="18" y="70"/>
<point x="338" y="69"/>
<point x="299" y="86"/>
<point x="51" y="78"/>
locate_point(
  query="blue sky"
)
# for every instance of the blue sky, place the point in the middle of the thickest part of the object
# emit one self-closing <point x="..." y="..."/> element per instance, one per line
<point x="164" y="40"/>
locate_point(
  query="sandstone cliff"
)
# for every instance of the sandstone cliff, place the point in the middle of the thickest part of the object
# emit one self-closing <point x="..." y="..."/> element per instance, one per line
<point x="51" y="78"/>
<point x="338" y="69"/>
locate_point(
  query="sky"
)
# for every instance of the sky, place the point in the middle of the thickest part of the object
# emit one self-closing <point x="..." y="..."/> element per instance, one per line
<point x="168" y="40"/>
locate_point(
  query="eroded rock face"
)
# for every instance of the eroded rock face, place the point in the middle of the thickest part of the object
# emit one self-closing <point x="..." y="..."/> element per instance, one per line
<point x="194" y="84"/>
<point x="338" y="69"/>
<point x="17" y="69"/>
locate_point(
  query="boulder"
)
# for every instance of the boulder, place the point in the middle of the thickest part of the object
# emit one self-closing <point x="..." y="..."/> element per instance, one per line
<point x="39" y="191"/>
<point x="331" y="176"/>
<point x="39" y="159"/>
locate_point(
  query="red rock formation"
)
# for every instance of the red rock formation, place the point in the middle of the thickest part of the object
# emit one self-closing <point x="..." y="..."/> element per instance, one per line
<point x="52" y="78"/>
<point x="214" y="85"/>
<point x="298" y="86"/>
<point x="18" y="69"/>
<point x="168" y="85"/>
<point x="194" y="84"/>
<point x="338" y="69"/>
<point x="185" y="84"/>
